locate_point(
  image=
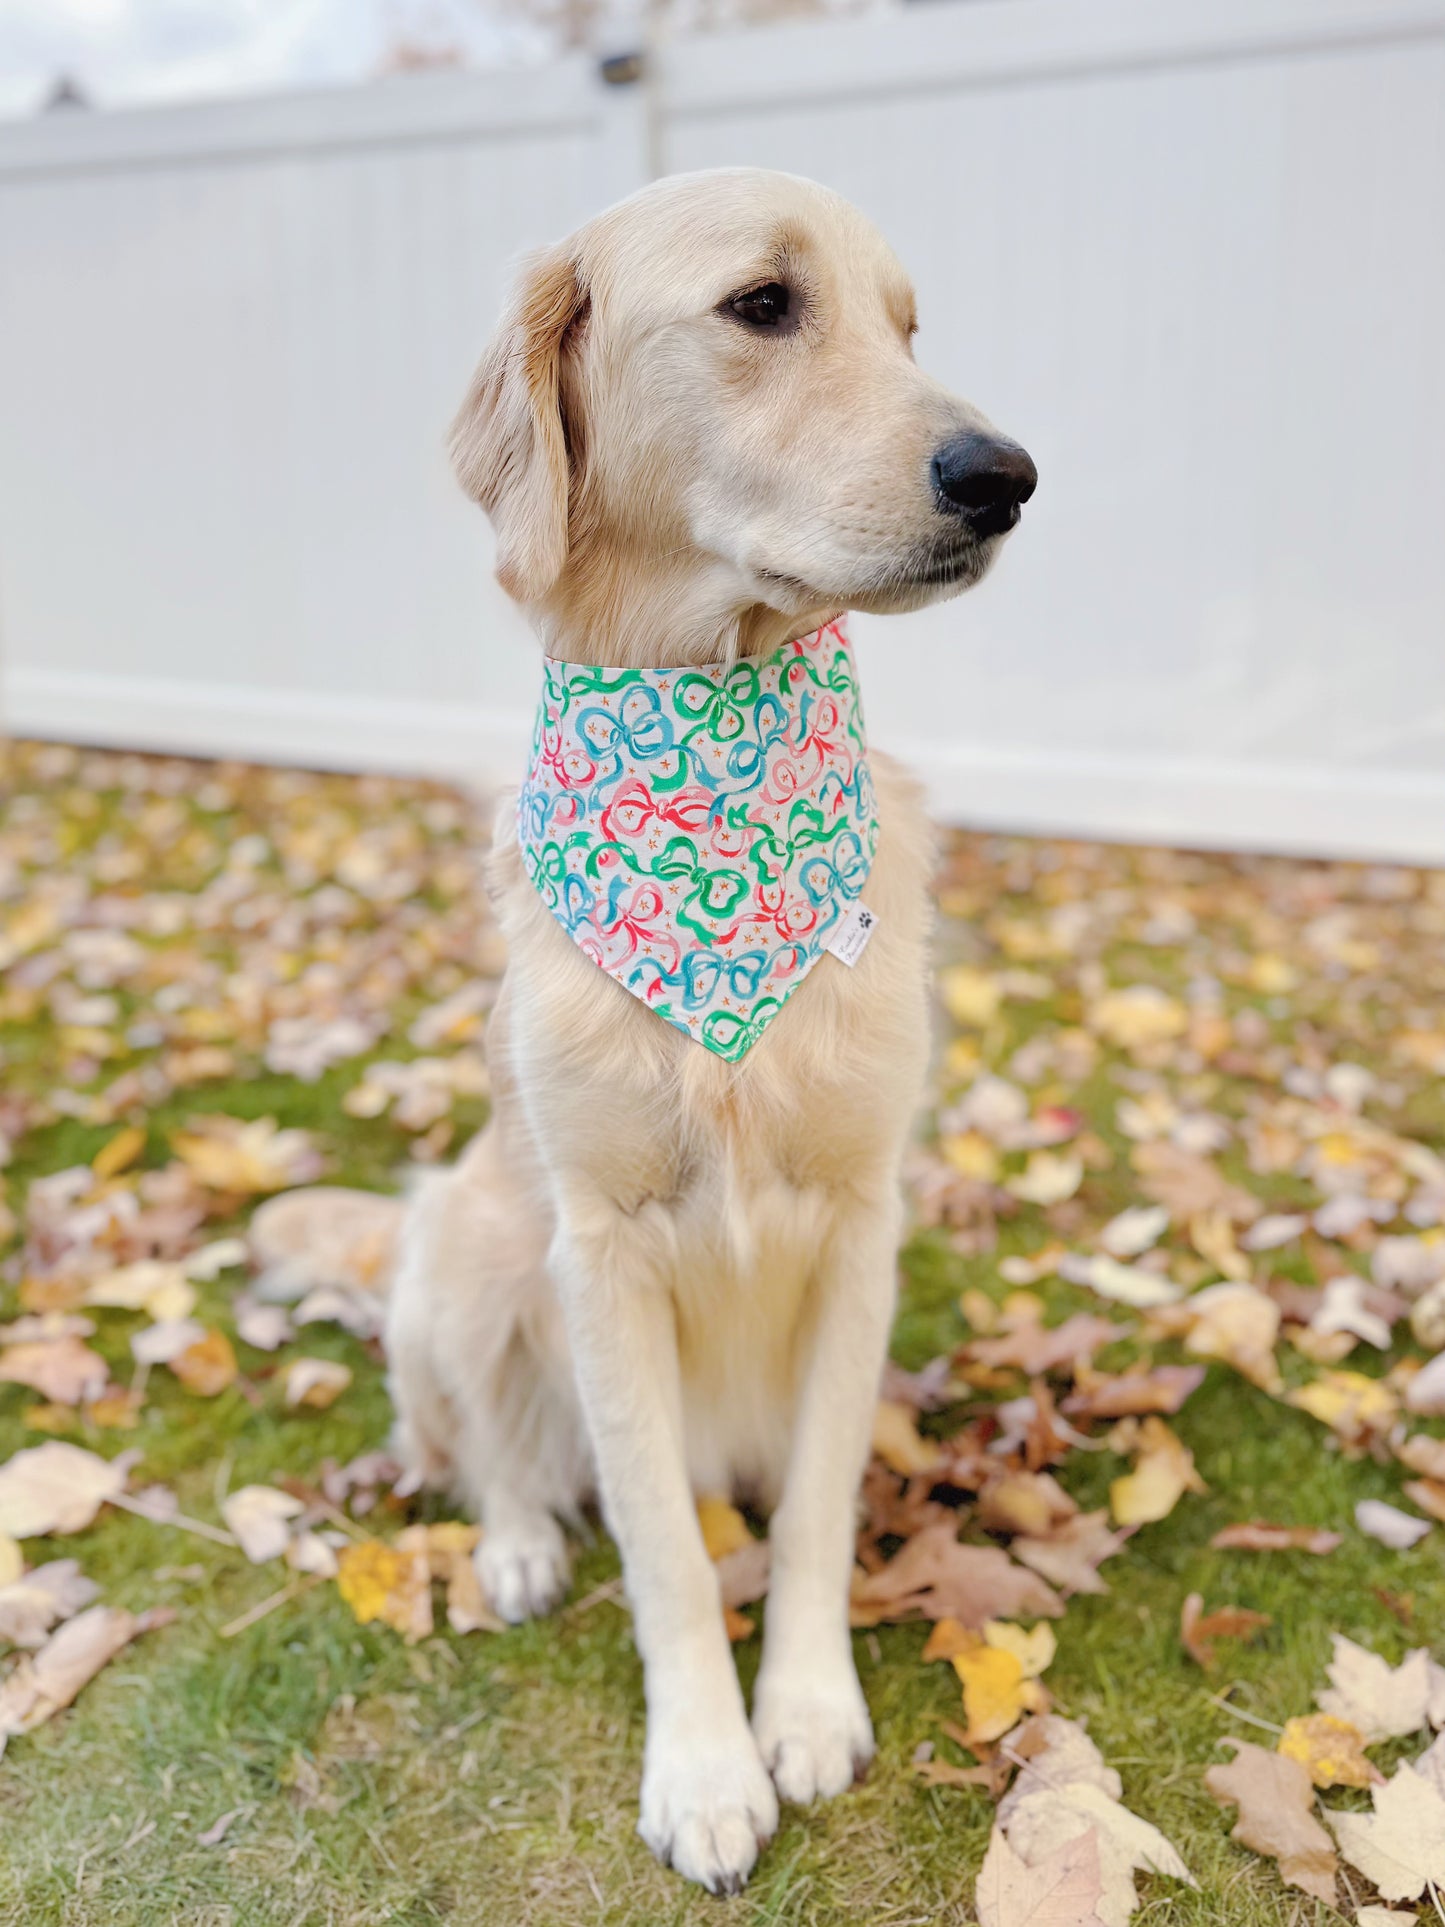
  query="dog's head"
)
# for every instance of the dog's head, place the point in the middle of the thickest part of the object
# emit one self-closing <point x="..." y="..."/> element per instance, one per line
<point x="714" y="382"/>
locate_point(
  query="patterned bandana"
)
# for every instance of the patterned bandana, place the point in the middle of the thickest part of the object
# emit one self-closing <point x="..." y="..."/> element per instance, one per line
<point x="703" y="834"/>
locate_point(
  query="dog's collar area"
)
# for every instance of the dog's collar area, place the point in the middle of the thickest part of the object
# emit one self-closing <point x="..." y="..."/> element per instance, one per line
<point x="702" y="834"/>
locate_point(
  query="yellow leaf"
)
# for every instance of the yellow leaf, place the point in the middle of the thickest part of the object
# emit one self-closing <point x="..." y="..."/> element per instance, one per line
<point x="1034" y="1651"/>
<point x="969" y="996"/>
<point x="996" y="1695"/>
<point x="378" y="1582"/>
<point x="1270" y="975"/>
<point x="1330" y="1749"/>
<point x="123" y="1149"/>
<point x="208" y="1366"/>
<point x="1163" y="1473"/>
<point x="897" y="1442"/>
<point x="724" y="1529"/>
<point x="12" y="1560"/>
<point x="972" y="1156"/>
<point x="1138" y="1015"/>
<point x="949" y="1638"/>
<point x="1353" y="1405"/>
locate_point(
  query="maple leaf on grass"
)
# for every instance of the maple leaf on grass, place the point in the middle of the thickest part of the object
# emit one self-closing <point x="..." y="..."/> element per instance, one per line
<point x="1136" y="1394"/>
<point x="260" y="1517"/>
<point x="1256" y="1535"/>
<point x="64" y="1370"/>
<point x="1072" y="1553"/>
<point x="249" y="1157"/>
<point x="35" y="1601"/>
<point x="1198" y="1629"/>
<point x="1383" y="1702"/>
<point x="57" y="1487"/>
<point x="1163" y="1473"/>
<point x="1401" y="1845"/>
<point x="934" y="1577"/>
<point x="68" y="1660"/>
<point x="1275" y="1799"/>
<point x="1034" y="1349"/>
<point x="1330" y="1750"/>
<point x="1060" y="1891"/>
<point x="897" y="1441"/>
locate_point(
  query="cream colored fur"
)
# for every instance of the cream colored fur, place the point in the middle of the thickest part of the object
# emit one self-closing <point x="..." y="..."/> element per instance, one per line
<point x="655" y="1274"/>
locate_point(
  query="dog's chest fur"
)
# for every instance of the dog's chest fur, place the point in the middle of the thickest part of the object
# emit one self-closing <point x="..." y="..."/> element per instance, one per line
<point x="739" y="1173"/>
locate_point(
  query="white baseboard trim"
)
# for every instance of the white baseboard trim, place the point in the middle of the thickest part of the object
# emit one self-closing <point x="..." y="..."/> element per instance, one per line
<point x="1374" y="814"/>
<point x="310" y="729"/>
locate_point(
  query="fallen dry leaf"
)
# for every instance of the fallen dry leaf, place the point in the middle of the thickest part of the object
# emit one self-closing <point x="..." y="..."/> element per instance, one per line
<point x="1071" y="1556"/>
<point x="68" y="1660"/>
<point x="315" y="1382"/>
<point x="897" y="1442"/>
<point x="1198" y="1629"/>
<point x="250" y="1157"/>
<point x="1384" y="1702"/>
<point x="1387" y="1523"/>
<point x="1330" y="1750"/>
<point x="1356" y="1408"/>
<point x="206" y="1367"/>
<point x="1257" y="1536"/>
<point x="1276" y="1818"/>
<point x="379" y="1582"/>
<point x="65" y="1371"/>
<point x="1060" y="1891"/>
<point x="1043" y="1821"/>
<point x="260" y="1517"/>
<point x="723" y="1527"/>
<point x="1037" y="1351"/>
<point x="31" y="1604"/>
<point x="935" y="1577"/>
<point x="1401" y="1845"/>
<point x="57" y="1487"/>
<point x="1133" y="1394"/>
<point x="1163" y="1473"/>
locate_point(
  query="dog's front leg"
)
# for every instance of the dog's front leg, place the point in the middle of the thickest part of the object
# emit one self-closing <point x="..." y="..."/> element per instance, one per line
<point x="707" y="1802"/>
<point x="809" y="1713"/>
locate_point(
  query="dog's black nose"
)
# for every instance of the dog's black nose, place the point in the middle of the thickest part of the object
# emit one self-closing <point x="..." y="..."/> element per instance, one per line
<point x="984" y="480"/>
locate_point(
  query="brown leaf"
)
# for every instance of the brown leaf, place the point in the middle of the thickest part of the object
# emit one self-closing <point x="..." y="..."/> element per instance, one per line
<point x="207" y="1367"/>
<point x="1036" y="1350"/>
<point x="1276" y="1818"/>
<point x="1133" y="1394"/>
<point x="63" y="1370"/>
<point x="1198" y="1629"/>
<point x="68" y="1660"/>
<point x="936" y="1577"/>
<point x="1256" y="1535"/>
<point x="1188" y="1185"/>
<point x="1071" y="1556"/>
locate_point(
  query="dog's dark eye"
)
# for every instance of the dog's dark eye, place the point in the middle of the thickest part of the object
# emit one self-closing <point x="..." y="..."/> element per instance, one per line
<point x="765" y="307"/>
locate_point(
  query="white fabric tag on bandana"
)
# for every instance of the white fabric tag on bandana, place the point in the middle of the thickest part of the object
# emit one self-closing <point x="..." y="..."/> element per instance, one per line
<point x="850" y="935"/>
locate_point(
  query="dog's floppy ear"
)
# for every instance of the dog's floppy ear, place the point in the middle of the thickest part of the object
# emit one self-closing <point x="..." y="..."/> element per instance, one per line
<point x="508" y="443"/>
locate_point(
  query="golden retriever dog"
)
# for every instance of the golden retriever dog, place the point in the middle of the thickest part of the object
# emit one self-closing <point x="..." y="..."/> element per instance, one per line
<point x="699" y="433"/>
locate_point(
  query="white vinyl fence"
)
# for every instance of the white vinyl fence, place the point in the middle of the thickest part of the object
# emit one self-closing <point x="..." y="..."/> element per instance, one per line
<point x="1191" y="252"/>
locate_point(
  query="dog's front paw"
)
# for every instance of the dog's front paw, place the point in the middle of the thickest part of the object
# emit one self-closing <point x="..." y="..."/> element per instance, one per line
<point x="707" y="1811"/>
<point x="815" y="1735"/>
<point x="523" y="1567"/>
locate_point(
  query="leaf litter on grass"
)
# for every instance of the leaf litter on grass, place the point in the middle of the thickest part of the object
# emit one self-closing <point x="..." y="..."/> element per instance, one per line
<point x="1185" y="1125"/>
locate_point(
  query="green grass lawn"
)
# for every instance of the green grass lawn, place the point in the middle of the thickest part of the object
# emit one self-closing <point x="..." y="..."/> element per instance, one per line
<point x="492" y="1778"/>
